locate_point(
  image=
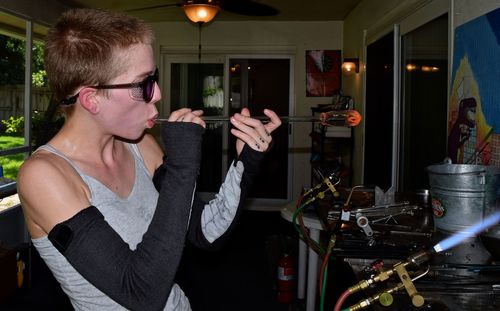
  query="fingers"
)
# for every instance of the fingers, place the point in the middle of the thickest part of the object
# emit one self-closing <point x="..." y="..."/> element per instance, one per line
<point x="175" y="115"/>
<point x="245" y="112"/>
<point x="251" y="131"/>
<point x="187" y="115"/>
<point x="258" y="144"/>
<point x="198" y="113"/>
<point x="274" y="121"/>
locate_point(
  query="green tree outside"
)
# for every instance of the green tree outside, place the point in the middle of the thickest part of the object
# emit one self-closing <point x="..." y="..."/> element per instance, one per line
<point x="12" y="71"/>
<point x="12" y="56"/>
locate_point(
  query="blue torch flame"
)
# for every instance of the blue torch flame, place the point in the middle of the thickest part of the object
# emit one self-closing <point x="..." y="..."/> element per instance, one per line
<point x="458" y="237"/>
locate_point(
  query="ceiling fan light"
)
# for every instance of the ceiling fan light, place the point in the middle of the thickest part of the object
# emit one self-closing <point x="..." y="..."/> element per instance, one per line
<point x="200" y="13"/>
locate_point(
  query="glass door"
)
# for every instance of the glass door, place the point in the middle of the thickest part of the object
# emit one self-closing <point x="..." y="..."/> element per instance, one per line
<point x="189" y="83"/>
<point x="406" y="102"/>
<point x="379" y="113"/>
<point x="258" y="83"/>
<point x="424" y="73"/>
<point x="222" y="86"/>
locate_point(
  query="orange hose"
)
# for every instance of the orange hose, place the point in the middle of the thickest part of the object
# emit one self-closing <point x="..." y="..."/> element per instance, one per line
<point x="341" y="300"/>
<point x="322" y="271"/>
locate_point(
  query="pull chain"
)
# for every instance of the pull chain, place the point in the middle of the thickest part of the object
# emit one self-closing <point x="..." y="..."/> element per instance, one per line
<point x="200" y="24"/>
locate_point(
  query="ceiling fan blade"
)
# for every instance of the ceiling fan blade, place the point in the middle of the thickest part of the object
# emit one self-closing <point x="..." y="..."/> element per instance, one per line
<point x="248" y="7"/>
<point x="156" y="7"/>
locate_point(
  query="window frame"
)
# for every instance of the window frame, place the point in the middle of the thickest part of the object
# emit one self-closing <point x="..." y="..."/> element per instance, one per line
<point x="408" y="19"/>
<point x="26" y="149"/>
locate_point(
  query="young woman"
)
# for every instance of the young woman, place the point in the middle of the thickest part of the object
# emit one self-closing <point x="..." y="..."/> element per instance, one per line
<point x="107" y="210"/>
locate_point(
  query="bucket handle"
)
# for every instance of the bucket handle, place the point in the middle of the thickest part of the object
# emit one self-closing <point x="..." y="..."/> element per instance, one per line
<point x="447" y="160"/>
<point x="482" y="178"/>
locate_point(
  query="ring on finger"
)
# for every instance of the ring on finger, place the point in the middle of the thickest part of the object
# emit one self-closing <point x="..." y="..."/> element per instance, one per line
<point x="262" y="140"/>
<point x="257" y="146"/>
<point x="267" y="133"/>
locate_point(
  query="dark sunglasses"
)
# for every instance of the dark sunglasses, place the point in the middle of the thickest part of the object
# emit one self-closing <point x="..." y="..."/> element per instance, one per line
<point x="142" y="91"/>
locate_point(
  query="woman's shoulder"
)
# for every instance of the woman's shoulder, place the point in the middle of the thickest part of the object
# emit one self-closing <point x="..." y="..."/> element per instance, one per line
<point x="47" y="170"/>
<point x="40" y="164"/>
<point x="151" y="152"/>
<point x="50" y="190"/>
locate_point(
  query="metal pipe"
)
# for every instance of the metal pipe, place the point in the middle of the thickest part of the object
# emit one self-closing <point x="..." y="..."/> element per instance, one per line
<point x="329" y="118"/>
<point x="264" y="119"/>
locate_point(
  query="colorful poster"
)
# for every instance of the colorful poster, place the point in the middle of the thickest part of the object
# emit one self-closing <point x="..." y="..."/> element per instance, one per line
<point x="474" y="113"/>
<point x="322" y="72"/>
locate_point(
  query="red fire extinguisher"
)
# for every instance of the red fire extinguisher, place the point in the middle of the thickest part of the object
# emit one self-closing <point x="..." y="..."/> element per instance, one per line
<point x="286" y="279"/>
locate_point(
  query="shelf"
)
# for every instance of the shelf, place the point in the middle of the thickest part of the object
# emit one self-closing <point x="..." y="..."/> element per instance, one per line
<point x="331" y="150"/>
<point x="338" y="131"/>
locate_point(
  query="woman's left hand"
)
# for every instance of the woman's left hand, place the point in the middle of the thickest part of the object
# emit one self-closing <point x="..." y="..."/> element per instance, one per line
<point x="252" y="131"/>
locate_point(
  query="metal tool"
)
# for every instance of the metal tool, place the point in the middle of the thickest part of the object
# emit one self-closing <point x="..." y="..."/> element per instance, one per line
<point x="347" y="118"/>
<point x="363" y="223"/>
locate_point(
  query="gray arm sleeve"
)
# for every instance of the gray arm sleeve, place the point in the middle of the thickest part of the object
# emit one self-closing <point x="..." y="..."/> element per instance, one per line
<point x="212" y="223"/>
<point x="220" y="212"/>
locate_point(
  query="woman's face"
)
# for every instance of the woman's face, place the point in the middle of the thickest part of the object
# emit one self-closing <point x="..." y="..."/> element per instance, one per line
<point x="121" y="113"/>
<point x="471" y="114"/>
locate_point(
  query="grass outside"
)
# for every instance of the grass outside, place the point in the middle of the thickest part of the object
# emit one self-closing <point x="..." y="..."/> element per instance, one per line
<point x="11" y="163"/>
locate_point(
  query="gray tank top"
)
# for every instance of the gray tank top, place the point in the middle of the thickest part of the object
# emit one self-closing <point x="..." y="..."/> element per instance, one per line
<point x="129" y="217"/>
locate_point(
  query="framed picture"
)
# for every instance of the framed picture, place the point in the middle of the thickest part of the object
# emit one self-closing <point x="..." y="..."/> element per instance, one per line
<point x="322" y="72"/>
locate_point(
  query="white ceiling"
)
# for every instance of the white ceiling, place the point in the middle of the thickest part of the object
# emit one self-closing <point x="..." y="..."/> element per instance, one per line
<point x="290" y="10"/>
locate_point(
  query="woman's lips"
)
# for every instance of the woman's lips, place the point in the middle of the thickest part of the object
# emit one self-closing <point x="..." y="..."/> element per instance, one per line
<point x="151" y="122"/>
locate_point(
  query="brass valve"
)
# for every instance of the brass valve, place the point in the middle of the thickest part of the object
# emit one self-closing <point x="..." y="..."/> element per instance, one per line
<point x="385" y="297"/>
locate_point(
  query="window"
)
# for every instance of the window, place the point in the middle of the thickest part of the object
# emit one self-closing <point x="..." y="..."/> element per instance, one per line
<point x="24" y="99"/>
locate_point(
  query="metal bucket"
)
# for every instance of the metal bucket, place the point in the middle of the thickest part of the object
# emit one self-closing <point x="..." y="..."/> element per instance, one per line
<point x="460" y="194"/>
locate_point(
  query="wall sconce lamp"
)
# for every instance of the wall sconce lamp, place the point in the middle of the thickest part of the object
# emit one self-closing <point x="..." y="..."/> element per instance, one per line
<point x="200" y="11"/>
<point x="350" y="66"/>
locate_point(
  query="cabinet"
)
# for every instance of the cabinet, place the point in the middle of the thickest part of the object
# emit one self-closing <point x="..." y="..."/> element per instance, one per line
<point x="331" y="150"/>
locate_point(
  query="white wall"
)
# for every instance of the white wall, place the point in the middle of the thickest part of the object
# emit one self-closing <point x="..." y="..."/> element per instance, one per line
<point x="290" y="38"/>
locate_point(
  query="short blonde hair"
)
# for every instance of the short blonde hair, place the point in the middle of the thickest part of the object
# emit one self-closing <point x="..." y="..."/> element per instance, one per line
<point x="80" y="49"/>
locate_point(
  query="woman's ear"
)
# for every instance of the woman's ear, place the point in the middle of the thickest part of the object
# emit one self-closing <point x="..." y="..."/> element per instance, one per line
<point x="89" y="100"/>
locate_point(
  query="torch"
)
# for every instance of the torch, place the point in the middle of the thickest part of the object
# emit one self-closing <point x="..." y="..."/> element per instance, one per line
<point x="415" y="260"/>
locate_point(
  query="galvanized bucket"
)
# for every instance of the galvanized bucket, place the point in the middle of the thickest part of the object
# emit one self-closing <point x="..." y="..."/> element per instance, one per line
<point x="460" y="193"/>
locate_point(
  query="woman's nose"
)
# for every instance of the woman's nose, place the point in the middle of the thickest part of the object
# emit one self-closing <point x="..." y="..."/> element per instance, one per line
<point x="156" y="94"/>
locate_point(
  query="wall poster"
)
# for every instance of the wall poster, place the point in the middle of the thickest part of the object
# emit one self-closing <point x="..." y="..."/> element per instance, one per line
<point x="322" y="73"/>
<point x="474" y="112"/>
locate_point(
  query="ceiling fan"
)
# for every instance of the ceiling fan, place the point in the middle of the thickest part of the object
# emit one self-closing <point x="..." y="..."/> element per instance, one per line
<point x="203" y="11"/>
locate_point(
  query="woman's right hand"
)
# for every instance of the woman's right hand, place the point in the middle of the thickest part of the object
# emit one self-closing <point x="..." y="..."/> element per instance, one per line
<point x="187" y="115"/>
